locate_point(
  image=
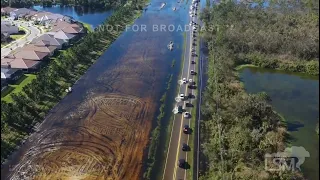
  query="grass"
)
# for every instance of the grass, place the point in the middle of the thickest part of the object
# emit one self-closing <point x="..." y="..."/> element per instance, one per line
<point x="16" y="36"/>
<point x="244" y="66"/>
<point x="17" y="88"/>
<point x="155" y="134"/>
<point x="87" y="26"/>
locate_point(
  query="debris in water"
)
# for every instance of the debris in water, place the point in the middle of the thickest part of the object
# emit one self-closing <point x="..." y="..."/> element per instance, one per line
<point x="170" y="46"/>
<point x="162" y="5"/>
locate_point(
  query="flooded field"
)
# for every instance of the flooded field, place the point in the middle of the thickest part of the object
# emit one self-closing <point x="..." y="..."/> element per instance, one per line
<point x="101" y="129"/>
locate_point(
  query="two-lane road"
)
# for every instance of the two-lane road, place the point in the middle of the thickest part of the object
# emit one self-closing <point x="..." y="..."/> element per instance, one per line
<point x="174" y="153"/>
<point x="32" y="33"/>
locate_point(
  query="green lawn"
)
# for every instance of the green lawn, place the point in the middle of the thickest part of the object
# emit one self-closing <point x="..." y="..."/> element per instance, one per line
<point x="16" y="36"/>
<point x="87" y="26"/>
<point x="17" y="88"/>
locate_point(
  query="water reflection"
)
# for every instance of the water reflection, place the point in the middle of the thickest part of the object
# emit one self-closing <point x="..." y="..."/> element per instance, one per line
<point x="91" y="16"/>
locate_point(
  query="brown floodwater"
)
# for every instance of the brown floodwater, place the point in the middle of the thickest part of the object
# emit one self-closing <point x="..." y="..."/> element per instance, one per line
<point x="101" y="130"/>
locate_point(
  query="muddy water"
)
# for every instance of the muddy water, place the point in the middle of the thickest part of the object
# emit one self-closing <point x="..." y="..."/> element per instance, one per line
<point x="101" y="129"/>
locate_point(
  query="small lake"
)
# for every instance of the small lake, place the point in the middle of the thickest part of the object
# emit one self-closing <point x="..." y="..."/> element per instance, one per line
<point x="89" y="16"/>
<point x="296" y="97"/>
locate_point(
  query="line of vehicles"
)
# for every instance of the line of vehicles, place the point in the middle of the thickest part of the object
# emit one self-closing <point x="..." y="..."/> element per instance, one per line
<point x="191" y="84"/>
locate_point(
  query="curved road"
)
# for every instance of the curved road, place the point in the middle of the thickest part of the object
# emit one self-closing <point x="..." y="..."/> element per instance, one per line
<point x="32" y="33"/>
<point x="177" y="138"/>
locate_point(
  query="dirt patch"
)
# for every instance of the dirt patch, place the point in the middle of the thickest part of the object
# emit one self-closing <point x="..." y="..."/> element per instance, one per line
<point x="106" y="143"/>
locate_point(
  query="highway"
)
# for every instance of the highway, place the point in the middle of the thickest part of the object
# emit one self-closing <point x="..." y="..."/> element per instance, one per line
<point x="178" y="137"/>
<point x="32" y="33"/>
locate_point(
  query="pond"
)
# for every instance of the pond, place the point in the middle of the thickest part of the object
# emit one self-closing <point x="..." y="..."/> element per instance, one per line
<point x="89" y="16"/>
<point x="296" y="98"/>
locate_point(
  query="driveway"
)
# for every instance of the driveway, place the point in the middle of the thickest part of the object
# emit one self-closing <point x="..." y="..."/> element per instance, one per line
<point x="33" y="32"/>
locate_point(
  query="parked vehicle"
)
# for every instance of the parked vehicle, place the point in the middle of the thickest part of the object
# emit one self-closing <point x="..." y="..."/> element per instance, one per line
<point x="181" y="96"/>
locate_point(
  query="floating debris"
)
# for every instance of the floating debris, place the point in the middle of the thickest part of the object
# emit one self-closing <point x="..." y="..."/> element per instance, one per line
<point x="69" y="90"/>
<point x="162" y="5"/>
<point x="170" y="46"/>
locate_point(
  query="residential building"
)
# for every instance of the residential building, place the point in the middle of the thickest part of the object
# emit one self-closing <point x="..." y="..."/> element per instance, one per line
<point x="8" y="28"/>
<point x="46" y="18"/>
<point x="4" y="84"/>
<point x="30" y="54"/>
<point x="71" y="28"/>
<point x="11" y="75"/>
<point x="66" y="37"/>
<point x="5" y="37"/>
<point x="19" y="13"/>
<point x="7" y="10"/>
<point x="41" y="48"/>
<point x="19" y="63"/>
<point x="30" y="15"/>
<point x="47" y="39"/>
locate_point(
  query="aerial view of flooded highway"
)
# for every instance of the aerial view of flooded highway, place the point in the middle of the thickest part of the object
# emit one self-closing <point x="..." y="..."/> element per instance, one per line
<point x="101" y="129"/>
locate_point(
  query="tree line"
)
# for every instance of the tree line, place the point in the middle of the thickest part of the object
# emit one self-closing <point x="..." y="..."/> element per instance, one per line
<point x="31" y="105"/>
<point x="238" y="129"/>
<point x="284" y="35"/>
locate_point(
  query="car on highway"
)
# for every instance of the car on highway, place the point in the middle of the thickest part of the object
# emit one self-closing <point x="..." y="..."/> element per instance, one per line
<point x="186" y="129"/>
<point x="193" y="62"/>
<point x="182" y="163"/>
<point x="184" y="80"/>
<point x="190" y="81"/>
<point x="180" y="109"/>
<point x="192" y="72"/>
<point x="186" y="114"/>
<point x="181" y="96"/>
<point x="189" y="104"/>
<point x="185" y="147"/>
